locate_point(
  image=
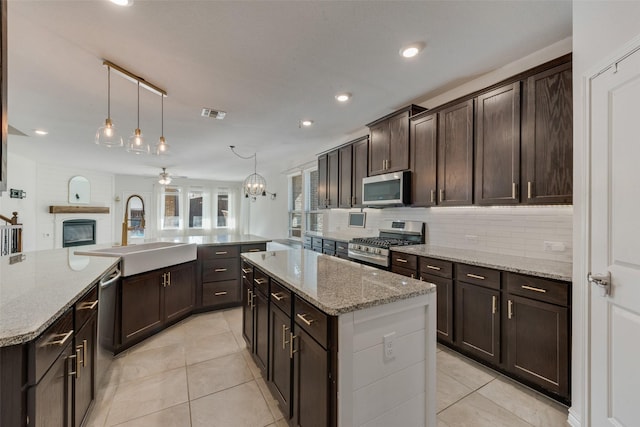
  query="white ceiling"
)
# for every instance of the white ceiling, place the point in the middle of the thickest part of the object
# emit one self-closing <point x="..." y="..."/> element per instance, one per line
<point x="268" y="64"/>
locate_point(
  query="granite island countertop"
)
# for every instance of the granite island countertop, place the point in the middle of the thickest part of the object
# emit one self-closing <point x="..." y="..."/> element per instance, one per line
<point x="37" y="290"/>
<point x="549" y="269"/>
<point x="335" y="285"/>
<point x="216" y="239"/>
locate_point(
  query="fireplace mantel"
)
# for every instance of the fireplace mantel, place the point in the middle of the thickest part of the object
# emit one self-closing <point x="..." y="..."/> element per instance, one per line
<point x="78" y="209"/>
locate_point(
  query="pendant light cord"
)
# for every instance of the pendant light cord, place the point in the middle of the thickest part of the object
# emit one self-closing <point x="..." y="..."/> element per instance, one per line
<point x="162" y="115"/>
<point x="109" y="93"/>
<point x="138" y="104"/>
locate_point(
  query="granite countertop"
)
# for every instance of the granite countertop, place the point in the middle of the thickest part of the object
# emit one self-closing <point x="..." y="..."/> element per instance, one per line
<point x="37" y="290"/>
<point x="216" y="239"/>
<point x="335" y="285"/>
<point x="532" y="266"/>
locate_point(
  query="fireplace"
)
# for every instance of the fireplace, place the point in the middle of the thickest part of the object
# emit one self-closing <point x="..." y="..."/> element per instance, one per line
<point x="78" y="232"/>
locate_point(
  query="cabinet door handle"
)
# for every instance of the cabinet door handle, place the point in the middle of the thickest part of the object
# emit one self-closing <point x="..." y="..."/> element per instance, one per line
<point x="169" y="279"/>
<point x="433" y="267"/>
<point x="79" y="362"/>
<point x="401" y="260"/>
<point x="254" y="250"/>
<point x="476" y="276"/>
<point x="441" y="195"/>
<point x="303" y="317"/>
<point x="510" y="309"/>
<point x="494" y="304"/>
<point x="246" y="270"/>
<point x="514" y="190"/>
<point x="87" y="305"/>
<point x="260" y="281"/>
<point x="291" y="350"/>
<point x="73" y="359"/>
<point x="284" y="337"/>
<point x="529" y="189"/>
<point x="277" y="296"/>
<point x="219" y="294"/>
<point x="432" y="195"/>
<point x="84" y="353"/>
<point x="220" y="270"/>
<point x="421" y="279"/>
<point x="413" y="276"/>
<point x="533" y="288"/>
<point x="60" y="339"/>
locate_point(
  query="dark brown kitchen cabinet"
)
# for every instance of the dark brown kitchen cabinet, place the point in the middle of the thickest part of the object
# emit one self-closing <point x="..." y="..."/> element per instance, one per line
<point x="538" y="334"/>
<point x="455" y="155"/>
<point x="440" y="273"/>
<point x="360" y="169"/>
<point x="345" y="161"/>
<point x="256" y="319"/>
<point x="219" y="276"/>
<point x="547" y="137"/>
<point x="280" y="361"/>
<point x="84" y="384"/>
<point x="247" y="305"/>
<point x="328" y="179"/>
<point x="424" y="154"/>
<point x="389" y="141"/>
<point x="152" y="300"/>
<point x="497" y="163"/>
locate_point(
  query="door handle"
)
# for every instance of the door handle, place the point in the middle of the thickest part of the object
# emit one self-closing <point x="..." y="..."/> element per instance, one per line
<point x="603" y="281"/>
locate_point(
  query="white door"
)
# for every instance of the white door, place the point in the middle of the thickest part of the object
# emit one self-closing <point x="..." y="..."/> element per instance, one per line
<point x="615" y="244"/>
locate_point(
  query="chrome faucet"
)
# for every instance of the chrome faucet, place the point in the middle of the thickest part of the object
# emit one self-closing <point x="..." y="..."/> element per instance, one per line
<point x="125" y="220"/>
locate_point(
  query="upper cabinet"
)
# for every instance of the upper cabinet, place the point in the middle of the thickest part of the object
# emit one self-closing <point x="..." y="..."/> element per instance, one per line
<point x="424" y="153"/>
<point x="328" y="175"/>
<point x="389" y="142"/>
<point x="359" y="169"/>
<point x="497" y="166"/>
<point x="455" y="155"/>
<point x="345" y="161"/>
<point x="547" y="137"/>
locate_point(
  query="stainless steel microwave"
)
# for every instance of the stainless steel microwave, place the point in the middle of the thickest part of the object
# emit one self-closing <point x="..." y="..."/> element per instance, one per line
<point x="389" y="189"/>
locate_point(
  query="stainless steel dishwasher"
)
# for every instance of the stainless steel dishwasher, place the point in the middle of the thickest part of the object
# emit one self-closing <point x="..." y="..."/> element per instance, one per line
<point x="106" y="321"/>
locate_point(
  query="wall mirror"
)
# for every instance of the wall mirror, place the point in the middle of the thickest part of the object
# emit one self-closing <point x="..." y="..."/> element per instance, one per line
<point x="79" y="190"/>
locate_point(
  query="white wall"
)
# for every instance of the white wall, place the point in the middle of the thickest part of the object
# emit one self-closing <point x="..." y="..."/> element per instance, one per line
<point x="268" y="217"/>
<point x="21" y="175"/>
<point x="599" y="28"/>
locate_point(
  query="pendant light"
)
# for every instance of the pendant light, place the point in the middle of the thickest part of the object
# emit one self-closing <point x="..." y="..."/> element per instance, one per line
<point x="254" y="185"/>
<point x="162" y="148"/>
<point x="107" y="135"/>
<point x="137" y="143"/>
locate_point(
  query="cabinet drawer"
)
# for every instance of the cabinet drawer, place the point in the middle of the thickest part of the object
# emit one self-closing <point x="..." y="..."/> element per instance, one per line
<point x="50" y="344"/>
<point x="436" y="267"/>
<point x="86" y="307"/>
<point x="404" y="260"/>
<point x="539" y="289"/>
<point x="329" y="245"/>
<point x="209" y="252"/>
<point x="307" y="241"/>
<point x="219" y="293"/>
<point x="329" y="252"/>
<point x="281" y="297"/>
<point x="214" y="270"/>
<point x="254" y="247"/>
<point x="312" y="320"/>
<point x="482" y="276"/>
<point x="261" y="280"/>
<point x="316" y="242"/>
<point x="342" y="247"/>
<point x="247" y="272"/>
<point x="403" y="271"/>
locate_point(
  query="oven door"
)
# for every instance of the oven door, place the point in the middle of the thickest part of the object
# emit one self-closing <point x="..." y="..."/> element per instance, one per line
<point x="363" y="256"/>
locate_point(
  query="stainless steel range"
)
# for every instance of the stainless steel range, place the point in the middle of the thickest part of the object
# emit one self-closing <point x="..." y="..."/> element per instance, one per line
<point x="375" y="250"/>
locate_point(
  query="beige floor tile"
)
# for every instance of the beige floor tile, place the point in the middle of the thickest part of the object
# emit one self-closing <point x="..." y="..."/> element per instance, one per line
<point x="151" y="361"/>
<point x="172" y="335"/>
<point x="240" y="406"/>
<point x="537" y="410"/>
<point x="199" y="349"/>
<point x="101" y="406"/>
<point x="205" y="325"/>
<point x="148" y="395"/>
<point x="273" y="404"/>
<point x="255" y="370"/>
<point x="449" y="391"/>
<point x="279" y="423"/>
<point x="478" y="411"/>
<point x="234" y="319"/>
<point x="175" y="416"/>
<point x="465" y="371"/>
<point x="217" y="374"/>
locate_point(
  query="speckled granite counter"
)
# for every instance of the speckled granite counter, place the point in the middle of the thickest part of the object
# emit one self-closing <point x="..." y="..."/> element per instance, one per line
<point x="37" y="290"/>
<point x="217" y="239"/>
<point x="531" y="266"/>
<point x="335" y="285"/>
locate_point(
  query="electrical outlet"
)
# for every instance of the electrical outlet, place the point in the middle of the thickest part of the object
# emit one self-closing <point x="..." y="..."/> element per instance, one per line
<point x="387" y="344"/>
<point x="554" y="246"/>
<point x="471" y="238"/>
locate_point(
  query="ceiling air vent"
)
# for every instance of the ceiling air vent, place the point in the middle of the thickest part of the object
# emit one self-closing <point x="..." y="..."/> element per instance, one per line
<point x="215" y="114"/>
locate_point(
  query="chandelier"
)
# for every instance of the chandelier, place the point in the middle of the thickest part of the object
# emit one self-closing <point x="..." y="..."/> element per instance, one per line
<point x="254" y="185"/>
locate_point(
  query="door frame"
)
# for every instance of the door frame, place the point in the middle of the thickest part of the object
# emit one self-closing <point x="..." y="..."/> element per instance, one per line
<point x="580" y="411"/>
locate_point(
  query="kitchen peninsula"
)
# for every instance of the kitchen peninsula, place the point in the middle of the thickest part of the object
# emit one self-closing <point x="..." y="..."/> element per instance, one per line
<point x="320" y="327"/>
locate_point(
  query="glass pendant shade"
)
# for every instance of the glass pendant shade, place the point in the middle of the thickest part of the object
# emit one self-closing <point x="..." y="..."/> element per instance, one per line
<point x="254" y="185"/>
<point x="108" y="136"/>
<point x="161" y="148"/>
<point x="137" y="143"/>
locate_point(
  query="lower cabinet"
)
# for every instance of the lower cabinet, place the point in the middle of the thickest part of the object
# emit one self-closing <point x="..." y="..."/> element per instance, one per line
<point x="84" y="385"/>
<point x="280" y="358"/>
<point x="168" y="295"/>
<point x="50" y="402"/>
<point x="247" y="305"/>
<point x="261" y="330"/>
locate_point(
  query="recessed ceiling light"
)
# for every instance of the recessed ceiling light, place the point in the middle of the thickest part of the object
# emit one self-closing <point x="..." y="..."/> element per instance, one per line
<point x="411" y="50"/>
<point x="306" y="123"/>
<point x="343" y="97"/>
<point x="122" y="2"/>
<point x="41" y="132"/>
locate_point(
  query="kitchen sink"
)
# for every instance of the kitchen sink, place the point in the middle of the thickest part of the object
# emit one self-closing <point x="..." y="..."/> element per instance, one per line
<point x="147" y="256"/>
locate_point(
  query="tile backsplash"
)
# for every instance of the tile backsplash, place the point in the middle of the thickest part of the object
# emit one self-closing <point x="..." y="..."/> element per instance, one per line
<point x="543" y="232"/>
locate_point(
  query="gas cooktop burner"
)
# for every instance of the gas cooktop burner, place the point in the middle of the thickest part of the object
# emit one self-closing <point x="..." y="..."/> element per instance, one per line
<point x="381" y="242"/>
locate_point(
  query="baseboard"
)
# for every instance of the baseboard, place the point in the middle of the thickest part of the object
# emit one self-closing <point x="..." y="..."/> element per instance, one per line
<point x="573" y="420"/>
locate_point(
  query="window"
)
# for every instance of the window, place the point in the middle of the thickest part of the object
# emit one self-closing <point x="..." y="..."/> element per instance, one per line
<point x="222" y="208"/>
<point x="170" y="208"/>
<point x="314" y="215"/>
<point x="303" y="211"/>
<point x="295" y="206"/>
<point x="198" y="209"/>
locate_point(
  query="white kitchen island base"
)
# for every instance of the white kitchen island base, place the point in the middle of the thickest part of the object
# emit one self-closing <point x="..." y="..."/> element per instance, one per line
<point x="381" y="391"/>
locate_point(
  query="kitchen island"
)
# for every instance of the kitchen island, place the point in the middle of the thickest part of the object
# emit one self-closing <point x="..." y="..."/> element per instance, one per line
<point x="340" y="343"/>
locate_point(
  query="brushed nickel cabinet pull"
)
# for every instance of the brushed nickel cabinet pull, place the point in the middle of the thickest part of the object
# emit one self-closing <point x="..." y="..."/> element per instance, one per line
<point x="169" y="274"/>
<point x="254" y="250"/>
<point x="221" y="252"/>
<point x="79" y="362"/>
<point x="60" y="339"/>
<point x="246" y="270"/>
<point x="84" y="353"/>
<point x="510" y="309"/>
<point x="74" y="357"/>
<point x="219" y="294"/>
<point x="441" y="195"/>
<point x="291" y="350"/>
<point x="260" y="281"/>
<point x="421" y="279"/>
<point x="433" y="267"/>
<point x="87" y="305"/>
<point x="284" y="335"/>
<point x="249" y="298"/>
<point x="494" y="304"/>
<point x="277" y="296"/>
<point x="533" y="288"/>
<point x="220" y="270"/>
<point x="432" y="195"/>
<point x="475" y="276"/>
<point x="513" y="190"/>
<point x="303" y="317"/>
<point x="529" y="190"/>
<point x="401" y="260"/>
